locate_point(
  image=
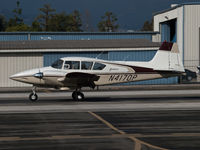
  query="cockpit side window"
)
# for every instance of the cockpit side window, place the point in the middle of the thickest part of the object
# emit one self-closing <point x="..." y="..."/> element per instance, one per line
<point x="98" y="66"/>
<point x="86" y="65"/>
<point x="72" y="65"/>
<point x="57" y="64"/>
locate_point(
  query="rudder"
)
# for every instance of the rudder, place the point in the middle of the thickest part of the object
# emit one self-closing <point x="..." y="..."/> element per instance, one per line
<point x="168" y="58"/>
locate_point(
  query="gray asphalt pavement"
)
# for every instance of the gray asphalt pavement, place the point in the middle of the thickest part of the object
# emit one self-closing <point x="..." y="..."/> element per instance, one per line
<point x="115" y="120"/>
<point x="193" y="86"/>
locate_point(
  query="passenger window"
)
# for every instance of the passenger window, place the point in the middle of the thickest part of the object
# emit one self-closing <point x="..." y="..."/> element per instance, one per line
<point x="98" y="66"/>
<point x="85" y="65"/>
<point x="72" y="65"/>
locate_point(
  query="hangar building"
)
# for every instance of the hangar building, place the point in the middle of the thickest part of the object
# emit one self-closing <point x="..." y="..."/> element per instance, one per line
<point x="181" y="24"/>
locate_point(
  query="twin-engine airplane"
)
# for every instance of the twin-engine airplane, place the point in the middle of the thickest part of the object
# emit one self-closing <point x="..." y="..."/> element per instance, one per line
<point x="77" y="72"/>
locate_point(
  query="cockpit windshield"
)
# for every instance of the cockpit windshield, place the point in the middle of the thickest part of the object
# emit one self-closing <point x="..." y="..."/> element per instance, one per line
<point x="98" y="66"/>
<point x="57" y="64"/>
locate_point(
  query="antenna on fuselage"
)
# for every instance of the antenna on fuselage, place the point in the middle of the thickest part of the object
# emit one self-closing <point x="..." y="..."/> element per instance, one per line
<point x="99" y="55"/>
<point x="126" y="58"/>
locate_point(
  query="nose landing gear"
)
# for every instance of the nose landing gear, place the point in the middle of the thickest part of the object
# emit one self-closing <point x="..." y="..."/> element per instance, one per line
<point x="33" y="96"/>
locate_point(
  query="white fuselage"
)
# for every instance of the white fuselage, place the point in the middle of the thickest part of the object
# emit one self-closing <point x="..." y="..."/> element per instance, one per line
<point x="112" y="72"/>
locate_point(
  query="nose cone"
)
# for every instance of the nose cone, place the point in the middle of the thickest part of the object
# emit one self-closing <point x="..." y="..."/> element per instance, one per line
<point x="24" y="76"/>
<point x="14" y="77"/>
<point x="17" y="75"/>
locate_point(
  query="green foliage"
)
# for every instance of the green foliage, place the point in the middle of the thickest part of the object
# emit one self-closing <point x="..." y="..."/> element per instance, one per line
<point x="17" y="20"/>
<point x="148" y="26"/>
<point x="76" y="21"/>
<point x="17" y="23"/>
<point x="36" y="26"/>
<point x="108" y="23"/>
<point x="45" y="16"/>
<point x="49" y="20"/>
<point x="3" y="23"/>
<point x="63" y="22"/>
<point x="58" y="22"/>
<point x="20" y="27"/>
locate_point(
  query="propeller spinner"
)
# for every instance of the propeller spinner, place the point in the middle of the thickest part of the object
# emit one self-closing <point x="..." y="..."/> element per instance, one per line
<point x="39" y="75"/>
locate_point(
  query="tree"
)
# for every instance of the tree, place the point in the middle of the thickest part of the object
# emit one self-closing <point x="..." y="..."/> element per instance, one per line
<point x="17" y="20"/>
<point x="44" y="18"/>
<point x="108" y="23"/>
<point x="77" y="22"/>
<point x="20" y="27"/>
<point x="17" y="23"/>
<point x="59" y="22"/>
<point x="3" y="23"/>
<point x="87" y="21"/>
<point x="148" y="26"/>
<point x="64" y="22"/>
<point x="36" y="26"/>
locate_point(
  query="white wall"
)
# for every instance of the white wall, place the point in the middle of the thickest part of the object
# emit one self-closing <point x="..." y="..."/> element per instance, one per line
<point x="11" y="64"/>
<point x="191" y="36"/>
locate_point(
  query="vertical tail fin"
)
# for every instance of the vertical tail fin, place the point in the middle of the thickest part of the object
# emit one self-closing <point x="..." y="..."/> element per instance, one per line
<point x="168" y="58"/>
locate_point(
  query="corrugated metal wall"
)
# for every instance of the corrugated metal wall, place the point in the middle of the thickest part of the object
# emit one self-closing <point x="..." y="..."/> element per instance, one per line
<point x="84" y="36"/>
<point x="165" y="32"/>
<point x="145" y="55"/>
<point x="191" y="37"/>
<point x="14" y="63"/>
<point x="13" y="36"/>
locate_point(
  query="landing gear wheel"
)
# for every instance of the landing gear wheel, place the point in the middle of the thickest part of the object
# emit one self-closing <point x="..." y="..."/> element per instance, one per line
<point x="33" y="97"/>
<point x="189" y="78"/>
<point x="78" y="95"/>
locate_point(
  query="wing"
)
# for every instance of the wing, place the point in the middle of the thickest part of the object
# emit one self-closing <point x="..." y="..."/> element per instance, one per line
<point x="80" y="79"/>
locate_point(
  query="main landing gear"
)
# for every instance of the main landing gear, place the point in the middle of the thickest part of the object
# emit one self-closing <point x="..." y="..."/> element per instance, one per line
<point x="33" y="96"/>
<point x="77" y="95"/>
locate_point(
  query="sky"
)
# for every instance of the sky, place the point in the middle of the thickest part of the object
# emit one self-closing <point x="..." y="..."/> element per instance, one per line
<point x="131" y="14"/>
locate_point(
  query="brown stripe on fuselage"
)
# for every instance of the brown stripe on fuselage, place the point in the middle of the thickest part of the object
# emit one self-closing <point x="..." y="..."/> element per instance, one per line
<point x="142" y="69"/>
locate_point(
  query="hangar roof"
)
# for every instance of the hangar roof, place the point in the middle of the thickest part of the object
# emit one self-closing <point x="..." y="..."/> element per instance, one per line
<point x="177" y="6"/>
<point x="77" y="44"/>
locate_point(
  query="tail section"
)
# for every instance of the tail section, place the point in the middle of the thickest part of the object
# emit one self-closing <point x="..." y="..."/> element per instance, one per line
<point x="168" y="58"/>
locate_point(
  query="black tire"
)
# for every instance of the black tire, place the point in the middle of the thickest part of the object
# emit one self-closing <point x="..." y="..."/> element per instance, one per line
<point x="33" y="97"/>
<point x="78" y="96"/>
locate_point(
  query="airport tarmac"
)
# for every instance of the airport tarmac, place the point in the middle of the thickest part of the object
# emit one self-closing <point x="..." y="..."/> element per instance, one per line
<point x="112" y="120"/>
